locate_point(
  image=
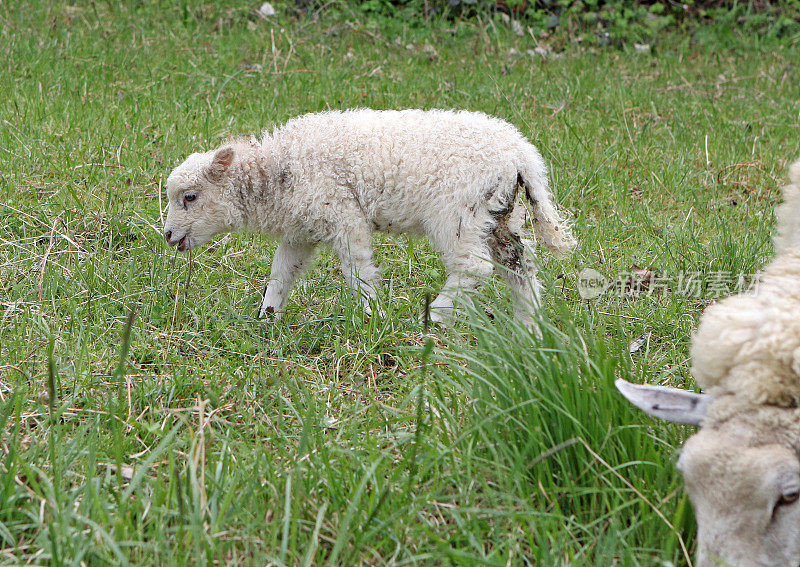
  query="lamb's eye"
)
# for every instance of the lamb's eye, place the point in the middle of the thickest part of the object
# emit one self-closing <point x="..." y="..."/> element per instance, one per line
<point x="189" y="197"/>
<point x="789" y="498"/>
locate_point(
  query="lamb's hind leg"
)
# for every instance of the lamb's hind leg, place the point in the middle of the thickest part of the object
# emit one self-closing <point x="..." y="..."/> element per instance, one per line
<point x="290" y="261"/>
<point x="517" y="267"/>
<point x="468" y="264"/>
<point x="358" y="269"/>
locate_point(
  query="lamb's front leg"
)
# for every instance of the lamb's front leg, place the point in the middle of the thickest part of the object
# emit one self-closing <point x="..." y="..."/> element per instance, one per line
<point x="290" y="261"/>
<point x="359" y="271"/>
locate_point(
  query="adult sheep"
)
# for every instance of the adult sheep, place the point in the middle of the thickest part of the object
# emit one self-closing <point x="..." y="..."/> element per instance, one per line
<point x="742" y="468"/>
<point x="335" y="177"/>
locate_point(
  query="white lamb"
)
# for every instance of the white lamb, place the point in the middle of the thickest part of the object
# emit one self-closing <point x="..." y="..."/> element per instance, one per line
<point x="742" y="469"/>
<point x="335" y="177"/>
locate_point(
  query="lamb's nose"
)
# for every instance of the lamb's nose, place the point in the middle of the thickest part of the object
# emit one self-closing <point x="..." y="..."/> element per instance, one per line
<point x="168" y="236"/>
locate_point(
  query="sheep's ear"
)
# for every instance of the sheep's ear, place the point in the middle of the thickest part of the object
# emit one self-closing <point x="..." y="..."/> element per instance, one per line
<point x="670" y="404"/>
<point x="222" y="160"/>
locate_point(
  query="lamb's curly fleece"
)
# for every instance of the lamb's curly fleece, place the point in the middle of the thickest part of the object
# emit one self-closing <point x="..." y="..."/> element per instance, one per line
<point x="414" y="170"/>
<point x="335" y="177"/>
<point x="749" y="345"/>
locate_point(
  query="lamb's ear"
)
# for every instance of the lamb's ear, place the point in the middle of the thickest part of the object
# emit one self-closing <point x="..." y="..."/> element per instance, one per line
<point x="670" y="404"/>
<point x="220" y="163"/>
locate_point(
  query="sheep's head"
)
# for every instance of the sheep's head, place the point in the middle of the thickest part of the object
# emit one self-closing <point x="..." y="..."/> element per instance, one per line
<point x="200" y="199"/>
<point x="742" y="473"/>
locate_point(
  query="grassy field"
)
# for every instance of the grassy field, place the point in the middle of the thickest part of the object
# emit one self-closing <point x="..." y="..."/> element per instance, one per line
<point x="146" y="417"/>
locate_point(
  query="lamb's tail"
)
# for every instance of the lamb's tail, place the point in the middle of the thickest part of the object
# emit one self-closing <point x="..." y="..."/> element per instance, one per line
<point x="549" y="226"/>
<point x="788" y="214"/>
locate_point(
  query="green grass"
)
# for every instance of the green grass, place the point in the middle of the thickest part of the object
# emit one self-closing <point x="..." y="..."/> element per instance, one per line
<point x="190" y="433"/>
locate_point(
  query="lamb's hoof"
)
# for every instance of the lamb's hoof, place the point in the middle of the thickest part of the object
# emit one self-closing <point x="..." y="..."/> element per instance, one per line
<point x="535" y="330"/>
<point x="529" y="323"/>
<point x="369" y="312"/>
<point x="268" y="314"/>
<point x="436" y="317"/>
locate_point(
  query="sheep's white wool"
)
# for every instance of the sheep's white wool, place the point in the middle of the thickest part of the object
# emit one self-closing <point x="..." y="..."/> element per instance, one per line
<point x="335" y="177"/>
<point x="750" y="344"/>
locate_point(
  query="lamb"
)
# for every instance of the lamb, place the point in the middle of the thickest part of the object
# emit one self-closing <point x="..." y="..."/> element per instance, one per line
<point x="335" y="177"/>
<point x="742" y="468"/>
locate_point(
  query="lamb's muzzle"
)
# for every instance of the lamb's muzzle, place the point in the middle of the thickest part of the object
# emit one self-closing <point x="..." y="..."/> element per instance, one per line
<point x="182" y="243"/>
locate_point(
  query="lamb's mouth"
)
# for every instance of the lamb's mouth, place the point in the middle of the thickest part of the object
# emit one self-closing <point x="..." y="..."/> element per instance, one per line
<point x="184" y="244"/>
